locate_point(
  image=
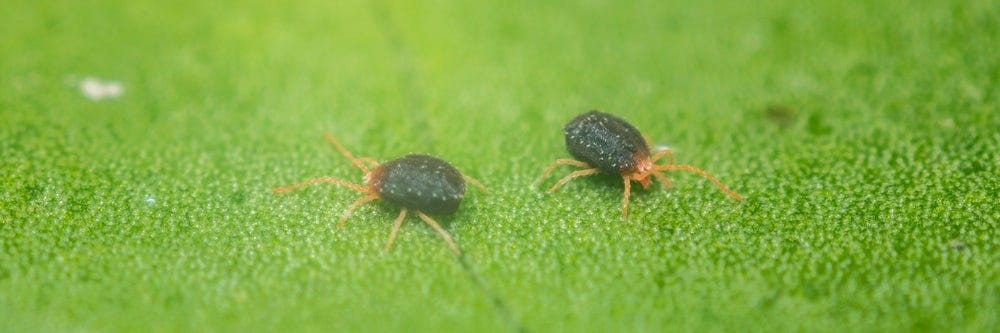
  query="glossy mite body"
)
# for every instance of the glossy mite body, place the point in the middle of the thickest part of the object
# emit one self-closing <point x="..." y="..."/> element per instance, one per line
<point x="419" y="183"/>
<point x="603" y="143"/>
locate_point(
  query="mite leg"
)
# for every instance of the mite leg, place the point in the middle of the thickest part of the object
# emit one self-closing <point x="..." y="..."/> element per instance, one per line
<point x="662" y="179"/>
<point x="395" y="228"/>
<point x="628" y="191"/>
<point x="356" y="161"/>
<point x="561" y="161"/>
<point x="665" y="152"/>
<point x="354" y="205"/>
<point x="370" y="161"/>
<point x="476" y="183"/>
<point x="330" y="180"/>
<point x="437" y="227"/>
<point x="574" y="174"/>
<point x="702" y="173"/>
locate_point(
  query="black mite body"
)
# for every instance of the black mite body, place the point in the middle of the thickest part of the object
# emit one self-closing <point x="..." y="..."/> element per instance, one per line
<point x="418" y="183"/>
<point x="603" y="143"/>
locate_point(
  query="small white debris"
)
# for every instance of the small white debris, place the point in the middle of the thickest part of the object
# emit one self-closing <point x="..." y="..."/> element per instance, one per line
<point x="150" y="200"/>
<point x="96" y="89"/>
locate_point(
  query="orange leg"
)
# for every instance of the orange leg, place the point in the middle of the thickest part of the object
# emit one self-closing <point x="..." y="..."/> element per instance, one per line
<point x="628" y="192"/>
<point x="574" y="174"/>
<point x="395" y="228"/>
<point x="358" y="162"/>
<point x="702" y="173"/>
<point x="476" y="183"/>
<point x="660" y="154"/>
<point x="663" y="179"/>
<point x="330" y="180"/>
<point x="370" y="161"/>
<point x="437" y="227"/>
<point x="354" y="205"/>
<point x="557" y="163"/>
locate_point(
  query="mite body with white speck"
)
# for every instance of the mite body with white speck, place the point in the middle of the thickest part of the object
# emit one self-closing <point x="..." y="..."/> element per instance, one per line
<point x="603" y="143"/>
<point x="418" y="183"/>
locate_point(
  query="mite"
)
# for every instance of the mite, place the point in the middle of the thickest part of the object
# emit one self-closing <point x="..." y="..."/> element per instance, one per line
<point x="602" y="143"/>
<point x="418" y="183"/>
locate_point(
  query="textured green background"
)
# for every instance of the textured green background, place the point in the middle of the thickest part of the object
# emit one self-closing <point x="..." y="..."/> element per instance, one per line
<point x="864" y="137"/>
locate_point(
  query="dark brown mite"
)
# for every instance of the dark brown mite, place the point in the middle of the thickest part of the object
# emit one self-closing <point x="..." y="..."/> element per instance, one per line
<point x="602" y="143"/>
<point x="419" y="183"/>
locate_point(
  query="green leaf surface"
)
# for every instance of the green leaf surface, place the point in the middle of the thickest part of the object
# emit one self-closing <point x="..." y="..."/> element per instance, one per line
<point x="864" y="137"/>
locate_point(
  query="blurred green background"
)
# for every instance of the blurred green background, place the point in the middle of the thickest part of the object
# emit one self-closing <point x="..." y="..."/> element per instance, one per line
<point x="862" y="135"/>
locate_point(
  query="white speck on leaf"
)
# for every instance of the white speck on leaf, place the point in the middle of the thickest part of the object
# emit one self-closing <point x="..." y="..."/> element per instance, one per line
<point x="97" y="89"/>
<point x="660" y="148"/>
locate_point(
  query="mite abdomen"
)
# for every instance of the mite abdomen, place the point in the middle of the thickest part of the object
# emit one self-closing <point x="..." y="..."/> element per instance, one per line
<point x="605" y="142"/>
<point x="420" y="182"/>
